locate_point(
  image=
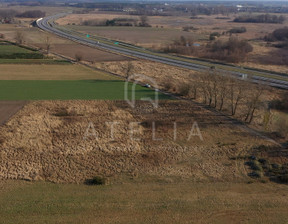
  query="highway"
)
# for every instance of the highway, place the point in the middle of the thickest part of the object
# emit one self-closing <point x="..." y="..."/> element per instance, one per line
<point x="271" y="79"/>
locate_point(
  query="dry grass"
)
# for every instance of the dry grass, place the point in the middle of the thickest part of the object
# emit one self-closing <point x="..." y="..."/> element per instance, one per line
<point x="42" y="145"/>
<point x="144" y="200"/>
<point x="161" y="73"/>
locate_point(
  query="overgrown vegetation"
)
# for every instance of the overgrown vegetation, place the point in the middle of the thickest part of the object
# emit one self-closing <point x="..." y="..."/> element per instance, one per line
<point x="7" y="16"/>
<point x="32" y="14"/>
<point x="143" y="22"/>
<point x="262" y="167"/>
<point x="214" y="36"/>
<point x="182" y="46"/>
<point x="278" y="35"/>
<point x="233" y="50"/>
<point x="238" y="30"/>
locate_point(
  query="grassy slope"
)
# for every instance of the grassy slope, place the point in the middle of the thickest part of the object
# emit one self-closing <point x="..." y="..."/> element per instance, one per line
<point x="143" y="202"/>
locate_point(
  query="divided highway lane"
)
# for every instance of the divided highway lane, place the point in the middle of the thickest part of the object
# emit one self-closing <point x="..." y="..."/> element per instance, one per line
<point x="47" y="24"/>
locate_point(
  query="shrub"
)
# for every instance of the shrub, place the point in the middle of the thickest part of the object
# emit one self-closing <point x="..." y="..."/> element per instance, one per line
<point x="263" y="161"/>
<point x="283" y="178"/>
<point x="63" y="112"/>
<point x="255" y="165"/>
<point x="96" y="181"/>
<point x="167" y="84"/>
<point x="276" y="166"/>
<point x="184" y="89"/>
<point x="255" y="174"/>
<point x="214" y="35"/>
<point x="78" y="56"/>
<point x="278" y="35"/>
<point x="238" y="30"/>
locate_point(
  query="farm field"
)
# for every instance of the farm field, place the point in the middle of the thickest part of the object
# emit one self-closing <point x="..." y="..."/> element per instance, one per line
<point x="156" y="37"/>
<point x="10" y="49"/>
<point x="68" y="90"/>
<point x="52" y="82"/>
<point x="51" y="72"/>
<point x="143" y="202"/>
<point x="146" y="37"/>
<point x="168" y="181"/>
<point x="213" y="149"/>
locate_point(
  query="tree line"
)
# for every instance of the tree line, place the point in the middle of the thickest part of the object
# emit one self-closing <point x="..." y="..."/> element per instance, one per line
<point x="223" y="92"/>
<point x="263" y="18"/>
<point x="233" y="50"/>
<point x="7" y="16"/>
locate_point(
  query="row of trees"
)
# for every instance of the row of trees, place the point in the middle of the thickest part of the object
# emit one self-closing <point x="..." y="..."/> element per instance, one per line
<point x="224" y="93"/>
<point x="264" y="18"/>
<point x="32" y="14"/>
<point x="278" y="35"/>
<point x="7" y="16"/>
<point x="221" y="91"/>
<point x="118" y="22"/>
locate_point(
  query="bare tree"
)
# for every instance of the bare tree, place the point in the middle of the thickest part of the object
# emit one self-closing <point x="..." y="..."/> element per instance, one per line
<point x="195" y="84"/>
<point x="19" y="37"/>
<point x="78" y="56"/>
<point x="203" y="86"/>
<point x="47" y="43"/>
<point x="236" y="92"/>
<point x="143" y="20"/>
<point x="253" y="102"/>
<point x="128" y="70"/>
<point x="223" y="87"/>
<point x="209" y="88"/>
<point x="214" y="78"/>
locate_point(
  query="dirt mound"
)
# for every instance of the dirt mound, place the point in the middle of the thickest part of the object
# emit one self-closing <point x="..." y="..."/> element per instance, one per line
<point x="71" y="141"/>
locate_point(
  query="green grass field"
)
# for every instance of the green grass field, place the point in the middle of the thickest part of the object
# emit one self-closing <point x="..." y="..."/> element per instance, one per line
<point x="34" y="61"/>
<point x="11" y="49"/>
<point x="68" y="90"/>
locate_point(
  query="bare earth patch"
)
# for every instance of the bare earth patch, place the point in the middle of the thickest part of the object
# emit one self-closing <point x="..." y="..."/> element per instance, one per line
<point x="9" y="108"/>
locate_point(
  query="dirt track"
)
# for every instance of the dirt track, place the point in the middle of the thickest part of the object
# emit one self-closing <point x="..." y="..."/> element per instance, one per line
<point x="8" y="109"/>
